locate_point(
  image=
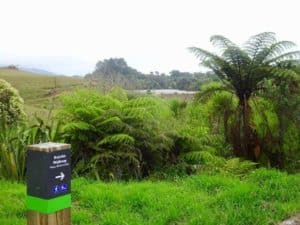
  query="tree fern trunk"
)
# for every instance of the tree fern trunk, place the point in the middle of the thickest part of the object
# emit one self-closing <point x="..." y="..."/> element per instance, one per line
<point x="247" y="148"/>
<point x="225" y="124"/>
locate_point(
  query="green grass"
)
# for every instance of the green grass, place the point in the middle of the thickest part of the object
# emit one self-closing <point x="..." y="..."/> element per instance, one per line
<point x="263" y="198"/>
<point x="39" y="91"/>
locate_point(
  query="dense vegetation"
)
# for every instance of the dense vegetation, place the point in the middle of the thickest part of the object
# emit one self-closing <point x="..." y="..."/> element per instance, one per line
<point x="246" y="119"/>
<point x="262" y="66"/>
<point x="115" y="72"/>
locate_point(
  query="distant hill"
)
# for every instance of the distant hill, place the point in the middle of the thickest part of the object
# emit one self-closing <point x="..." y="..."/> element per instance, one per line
<point x="38" y="90"/>
<point x="27" y="69"/>
<point x="37" y="71"/>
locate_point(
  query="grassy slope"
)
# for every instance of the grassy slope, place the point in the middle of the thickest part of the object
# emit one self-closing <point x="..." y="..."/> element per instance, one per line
<point x="264" y="198"/>
<point x="37" y="90"/>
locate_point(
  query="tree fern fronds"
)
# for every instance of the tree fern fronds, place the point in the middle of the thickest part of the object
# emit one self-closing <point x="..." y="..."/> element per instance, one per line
<point x="105" y="155"/>
<point x="163" y="142"/>
<point x="236" y="56"/>
<point x="116" y="139"/>
<point x="138" y="112"/>
<point x="276" y="49"/>
<point x="222" y="42"/>
<point x="109" y="123"/>
<point x="202" y="157"/>
<point x="218" y="64"/>
<point x="83" y="114"/>
<point x="238" y="167"/>
<point x="294" y="55"/>
<point x="202" y="95"/>
<point x="204" y="55"/>
<point x="258" y="42"/>
<point x="79" y="125"/>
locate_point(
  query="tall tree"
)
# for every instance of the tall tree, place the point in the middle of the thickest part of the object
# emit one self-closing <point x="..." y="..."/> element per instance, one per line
<point x="242" y="71"/>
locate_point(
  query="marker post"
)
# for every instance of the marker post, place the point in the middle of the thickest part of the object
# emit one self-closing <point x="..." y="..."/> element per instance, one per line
<point x="49" y="184"/>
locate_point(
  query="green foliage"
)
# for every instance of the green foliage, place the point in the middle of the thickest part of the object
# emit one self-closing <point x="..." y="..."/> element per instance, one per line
<point x="238" y="167"/>
<point x="206" y="161"/>
<point x="277" y="124"/>
<point x="173" y="172"/>
<point x="221" y="109"/>
<point x="194" y="123"/>
<point x="11" y="104"/>
<point x="14" y="140"/>
<point x="177" y="106"/>
<point x="113" y="137"/>
<point x="197" y="127"/>
<point x="204" y="158"/>
<point x="242" y="71"/>
<point x="114" y="72"/>
<point x="264" y="197"/>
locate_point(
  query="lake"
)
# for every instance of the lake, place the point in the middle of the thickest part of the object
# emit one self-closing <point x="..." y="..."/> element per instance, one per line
<point x="166" y="91"/>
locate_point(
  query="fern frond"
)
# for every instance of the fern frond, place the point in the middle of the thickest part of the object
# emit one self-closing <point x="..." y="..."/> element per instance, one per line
<point x="273" y="51"/>
<point x="199" y="156"/>
<point x="204" y="55"/>
<point x="206" y="93"/>
<point x="237" y="167"/>
<point x="294" y="55"/>
<point x="222" y="42"/>
<point x="116" y="139"/>
<point x="258" y="42"/>
<point x="138" y="112"/>
<point x="79" y="125"/>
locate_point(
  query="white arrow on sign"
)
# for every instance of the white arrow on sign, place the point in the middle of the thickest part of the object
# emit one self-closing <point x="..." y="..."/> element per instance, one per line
<point x="61" y="176"/>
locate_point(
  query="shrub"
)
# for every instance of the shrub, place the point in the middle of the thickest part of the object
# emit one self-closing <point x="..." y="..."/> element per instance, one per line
<point x="206" y="161"/>
<point x="113" y="137"/>
<point x="11" y="104"/>
<point x="14" y="139"/>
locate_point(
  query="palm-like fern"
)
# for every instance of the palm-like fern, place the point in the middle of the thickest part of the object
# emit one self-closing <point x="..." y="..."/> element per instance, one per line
<point x="115" y="137"/>
<point x="242" y="71"/>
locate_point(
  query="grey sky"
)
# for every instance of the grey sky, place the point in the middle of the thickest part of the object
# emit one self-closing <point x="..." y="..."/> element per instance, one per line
<point x="69" y="37"/>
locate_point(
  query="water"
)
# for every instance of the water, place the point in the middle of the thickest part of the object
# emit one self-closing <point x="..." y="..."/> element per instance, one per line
<point x="166" y="91"/>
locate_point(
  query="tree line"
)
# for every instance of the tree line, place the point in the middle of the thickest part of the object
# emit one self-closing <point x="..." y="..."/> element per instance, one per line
<point x="115" y="72"/>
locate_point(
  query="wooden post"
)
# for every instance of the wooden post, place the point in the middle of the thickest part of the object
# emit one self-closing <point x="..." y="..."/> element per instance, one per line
<point x="49" y="184"/>
<point x="61" y="217"/>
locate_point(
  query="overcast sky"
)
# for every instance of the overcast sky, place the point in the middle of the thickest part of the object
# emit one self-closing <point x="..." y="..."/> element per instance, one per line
<point x="69" y="37"/>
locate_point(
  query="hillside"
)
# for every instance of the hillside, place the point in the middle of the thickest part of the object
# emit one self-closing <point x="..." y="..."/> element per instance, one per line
<point x="264" y="197"/>
<point x="38" y="90"/>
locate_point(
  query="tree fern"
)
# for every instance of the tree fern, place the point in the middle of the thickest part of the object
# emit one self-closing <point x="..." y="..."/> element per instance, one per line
<point x="242" y="70"/>
<point x="120" y="137"/>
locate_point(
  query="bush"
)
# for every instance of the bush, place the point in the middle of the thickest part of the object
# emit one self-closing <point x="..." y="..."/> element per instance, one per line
<point x="11" y="104"/>
<point x="14" y="139"/>
<point x="116" y="138"/>
<point x="206" y="161"/>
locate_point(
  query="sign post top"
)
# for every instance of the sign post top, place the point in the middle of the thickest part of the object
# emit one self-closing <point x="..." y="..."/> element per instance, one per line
<point x="49" y="147"/>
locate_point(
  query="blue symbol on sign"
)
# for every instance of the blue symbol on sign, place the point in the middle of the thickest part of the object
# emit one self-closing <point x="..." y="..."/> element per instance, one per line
<point x="64" y="187"/>
<point x="56" y="189"/>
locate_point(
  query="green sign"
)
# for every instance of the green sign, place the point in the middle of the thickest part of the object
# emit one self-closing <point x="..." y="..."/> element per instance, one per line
<point x="48" y="177"/>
